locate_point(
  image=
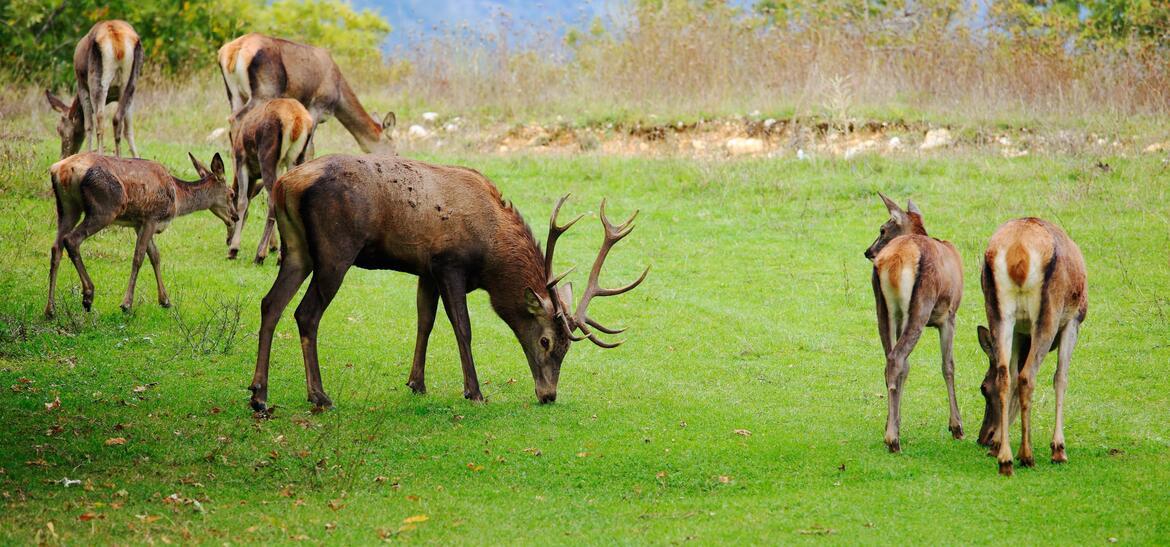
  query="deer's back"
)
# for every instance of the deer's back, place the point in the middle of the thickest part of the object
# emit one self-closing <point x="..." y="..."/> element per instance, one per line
<point x="404" y="214"/>
<point x="145" y="187"/>
<point x="285" y="68"/>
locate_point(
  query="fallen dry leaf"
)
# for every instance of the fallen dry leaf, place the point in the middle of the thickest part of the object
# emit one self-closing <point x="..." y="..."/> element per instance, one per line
<point x="415" y="519"/>
<point x="743" y="432"/>
<point x="724" y="479"/>
<point x="115" y="441"/>
<point x="474" y="466"/>
<point x="88" y="516"/>
<point x="39" y="462"/>
<point x="336" y="505"/>
<point x="53" y="405"/>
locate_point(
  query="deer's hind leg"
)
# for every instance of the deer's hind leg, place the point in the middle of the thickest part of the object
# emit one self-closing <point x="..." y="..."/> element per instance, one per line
<point x="946" y="335"/>
<point x="1068" y="339"/>
<point x="156" y="264"/>
<point x="67" y="216"/>
<point x="268" y="165"/>
<point x="898" y="366"/>
<point x="100" y="193"/>
<point x="289" y="278"/>
<point x="327" y="278"/>
<point x="1043" y="335"/>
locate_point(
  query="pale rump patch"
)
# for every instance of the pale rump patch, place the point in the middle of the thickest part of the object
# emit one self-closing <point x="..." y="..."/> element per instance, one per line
<point x="897" y="267"/>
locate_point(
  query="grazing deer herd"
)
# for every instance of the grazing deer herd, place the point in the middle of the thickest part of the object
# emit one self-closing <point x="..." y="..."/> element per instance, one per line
<point x="450" y="227"/>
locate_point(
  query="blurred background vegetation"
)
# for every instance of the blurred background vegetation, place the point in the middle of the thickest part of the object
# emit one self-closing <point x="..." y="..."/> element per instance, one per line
<point x="1010" y="61"/>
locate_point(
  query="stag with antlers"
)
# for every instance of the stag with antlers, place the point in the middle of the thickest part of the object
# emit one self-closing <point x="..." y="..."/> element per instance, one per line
<point x="450" y="227"/>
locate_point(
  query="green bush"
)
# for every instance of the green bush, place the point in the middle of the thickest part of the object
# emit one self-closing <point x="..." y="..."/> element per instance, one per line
<point x="37" y="41"/>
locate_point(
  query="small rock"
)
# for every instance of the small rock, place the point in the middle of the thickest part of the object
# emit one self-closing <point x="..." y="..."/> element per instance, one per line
<point x="738" y="146"/>
<point x="1157" y="147"/>
<point x="800" y="155"/>
<point x="450" y="128"/>
<point x="430" y="117"/>
<point x="936" y="138"/>
<point x="894" y="143"/>
<point x="768" y="123"/>
<point x="417" y="132"/>
<point x="859" y="148"/>
<point x="216" y="134"/>
<point x="698" y="144"/>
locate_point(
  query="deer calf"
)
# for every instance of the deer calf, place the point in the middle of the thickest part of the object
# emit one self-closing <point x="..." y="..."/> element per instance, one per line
<point x="107" y="62"/>
<point x="1034" y="294"/>
<point x="268" y="138"/>
<point x="137" y="193"/>
<point x="917" y="281"/>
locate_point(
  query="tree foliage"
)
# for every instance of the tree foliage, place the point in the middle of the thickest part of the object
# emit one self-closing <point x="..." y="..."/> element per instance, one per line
<point x="38" y="36"/>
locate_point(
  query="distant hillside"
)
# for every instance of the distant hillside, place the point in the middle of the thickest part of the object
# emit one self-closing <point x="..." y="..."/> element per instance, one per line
<point x="415" y="18"/>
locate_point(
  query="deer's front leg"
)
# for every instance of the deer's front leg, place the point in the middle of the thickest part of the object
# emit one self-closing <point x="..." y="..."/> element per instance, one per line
<point x="292" y="273"/>
<point x="454" y="292"/>
<point x="946" y="334"/>
<point x="156" y="263"/>
<point x="268" y="178"/>
<point x="426" y="301"/>
<point x="144" y="233"/>
<point x="243" y="182"/>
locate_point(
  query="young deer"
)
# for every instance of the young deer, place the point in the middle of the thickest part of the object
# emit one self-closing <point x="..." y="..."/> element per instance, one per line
<point x="917" y="281"/>
<point x="448" y="226"/>
<point x="128" y="192"/>
<point x="1034" y="294"/>
<point x="256" y="67"/>
<point x="268" y="138"/>
<point x="107" y="62"/>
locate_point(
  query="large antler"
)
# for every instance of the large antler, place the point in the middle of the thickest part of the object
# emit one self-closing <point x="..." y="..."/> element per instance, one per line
<point x="581" y="319"/>
<point x="559" y="304"/>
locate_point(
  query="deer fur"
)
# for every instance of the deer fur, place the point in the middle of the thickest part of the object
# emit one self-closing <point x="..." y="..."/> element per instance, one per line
<point x="447" y="225"/>
<point x="257" y="67"/>
<point x="107" y="62"/>
<point x="268" y="137"/>
<point x="1034" y="295"/>
<point x="917" y="282"/>
<point x="98" y="191"/>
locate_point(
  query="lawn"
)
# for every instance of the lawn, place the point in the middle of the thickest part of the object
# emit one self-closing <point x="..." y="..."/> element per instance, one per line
<point x="746" y="405"/>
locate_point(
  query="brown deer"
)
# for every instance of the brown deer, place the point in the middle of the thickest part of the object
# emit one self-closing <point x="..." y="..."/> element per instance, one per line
<point x="1034" y="294"/>
<point x="256" y="67"/>
<point x="268" y="137"/>
<point x="107" y="62"/>
<point x="450" y="227"/>
<point x="128" y="192"/>
<point x="917" y="281"/>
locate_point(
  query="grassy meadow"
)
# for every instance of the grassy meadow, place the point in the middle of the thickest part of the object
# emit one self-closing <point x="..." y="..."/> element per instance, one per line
<point x="746" y="405"/>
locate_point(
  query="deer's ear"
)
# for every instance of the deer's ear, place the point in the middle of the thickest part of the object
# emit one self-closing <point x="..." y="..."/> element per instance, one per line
<point x="984" y="339"/>
<point x="912" y="207"/>
<point x="896" y="212"/>
<point x="534" y="303"/>
<point x="199" y="167"/>
<point x="389" y="121"/>
<point x="217" y="165"/>
<point x="56" y="103"/>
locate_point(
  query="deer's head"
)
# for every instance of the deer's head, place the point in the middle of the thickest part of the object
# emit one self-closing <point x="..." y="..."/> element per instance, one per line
<point x="71" y="125"/>
<point x="220" y="197"/>
<point x="991" y="409"/>
<point x="554" y="324"/>
<point x="900" y="223"/>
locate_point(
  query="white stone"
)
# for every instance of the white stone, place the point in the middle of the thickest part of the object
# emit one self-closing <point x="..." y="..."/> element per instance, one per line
<point x="800" y="155"/>
<point x="417" y="131"/>
<point x="894" y="143"/>
<point x="450" y="128"/>
<point x="936" y="138"/>
<point x="430" y="117"/>
<point x="768" y="123"/>
<point x="738" y="146"/>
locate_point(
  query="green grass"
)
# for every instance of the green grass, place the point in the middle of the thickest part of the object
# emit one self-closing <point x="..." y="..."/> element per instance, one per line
<point x="757" y="315"/>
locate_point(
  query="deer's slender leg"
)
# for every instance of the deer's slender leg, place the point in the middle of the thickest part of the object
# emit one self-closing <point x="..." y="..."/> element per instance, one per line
<point x="293" y="271"/>
<point x="426" y="300"/>
<point x="453" y="289"/>
<point x="87" y="115"/>
<point x="243" y="194"/>
<point x="98" y="189"/>
<point x="145" y="231"/>
<point x="67" y="218"/>
<point x="883" y="315"/>
<point x="327" y="278"/>
<point x="98" y="90"/>
<point x="126" y="101"/>
<point x="156" y="263"/>
<point x="268" y="178"/>
<point x="946" y="335"/>
<point x="1068" y="340"/>
<point x="1043" y="334"/>
<point x="898" y="366"/>
<point x="1005" y="382"/>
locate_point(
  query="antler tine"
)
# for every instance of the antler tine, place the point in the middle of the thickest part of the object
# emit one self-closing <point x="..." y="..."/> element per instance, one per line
<point x="593" y="338"/>
<point x="617" y="232"/>
<point x="553" y="282"/>
<point x="620" y="290"/>
<point x="554" y="231"/>
<point x="591" y="322"/>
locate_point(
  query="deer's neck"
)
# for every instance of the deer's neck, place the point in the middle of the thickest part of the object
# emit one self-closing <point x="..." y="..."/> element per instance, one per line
<point x="515" y="264"/>
<point x="356" y="120"/>
<point x="191" y="196"/>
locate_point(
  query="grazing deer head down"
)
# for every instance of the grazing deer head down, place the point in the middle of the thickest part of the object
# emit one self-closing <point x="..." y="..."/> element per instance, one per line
<point x="450" y="227"/>
<point x="1034" y="295"/>
<point x="917" y="282"/>
<point x="256" y="67"/>
<point x="95" y="191"/>
<point x="71" y="125"/>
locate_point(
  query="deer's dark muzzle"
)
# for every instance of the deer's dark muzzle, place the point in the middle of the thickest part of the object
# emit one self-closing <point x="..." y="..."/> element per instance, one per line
<point x="546" y="398"/>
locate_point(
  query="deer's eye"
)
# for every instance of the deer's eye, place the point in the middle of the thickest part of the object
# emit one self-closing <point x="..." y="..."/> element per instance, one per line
<point x="544" y="342"/>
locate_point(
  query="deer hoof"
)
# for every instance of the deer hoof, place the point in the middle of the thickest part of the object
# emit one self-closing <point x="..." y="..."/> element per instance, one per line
<point x="895" y="446"/>
<point x="87" y="303"/>
<point x="1027" y="461"/>
<point x="259" y="261"/>
<point x="1058" y="454"/>
<point x="126" y="307"/>
<point x="475" y="397"/>
<point x="418" y="387"/>
<point x="164" y="303"/>
<point x="957" y="431"/>
<point x="1005" y="468"/>
<point x="232" y="253"/>
<point x="320" y="402"/>
<point x="50" y="313"/>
